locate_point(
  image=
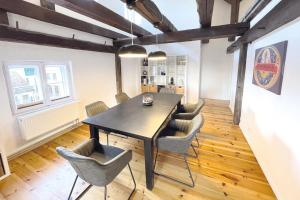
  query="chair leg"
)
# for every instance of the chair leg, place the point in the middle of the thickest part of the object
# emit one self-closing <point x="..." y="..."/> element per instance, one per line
<point x="73" y="186"/>
<point x="133" y="182"/>
<point x="195" y="152"/>
<point x="105" y="192"/>
<point x="197" y="140"/>
<point x="190" y="173"/>
<point x="107" y="141"/>
<point x="105" y="187"/>
<point x="179" y="181"/>
<point x="69" y="198"/>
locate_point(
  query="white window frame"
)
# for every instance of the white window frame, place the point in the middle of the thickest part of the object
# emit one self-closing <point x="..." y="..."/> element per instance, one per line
<point x="47" y="102"/>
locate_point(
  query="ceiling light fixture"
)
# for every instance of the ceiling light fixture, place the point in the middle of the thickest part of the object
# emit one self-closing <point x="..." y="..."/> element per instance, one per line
<point x="157" y="55"/>
<point x="132" y="50"/>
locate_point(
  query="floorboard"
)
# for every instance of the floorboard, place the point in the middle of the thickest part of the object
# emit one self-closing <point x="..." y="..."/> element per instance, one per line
<point x="225" y="169"/>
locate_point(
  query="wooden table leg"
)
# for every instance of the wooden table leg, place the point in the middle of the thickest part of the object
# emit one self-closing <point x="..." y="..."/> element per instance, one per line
<point x="94" y="132"/>
<point x="148" y="150"/>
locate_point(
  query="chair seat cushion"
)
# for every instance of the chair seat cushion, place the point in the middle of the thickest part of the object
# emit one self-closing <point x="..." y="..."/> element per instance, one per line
<point x="100" y="157"/>
<point x="105" y="153"/>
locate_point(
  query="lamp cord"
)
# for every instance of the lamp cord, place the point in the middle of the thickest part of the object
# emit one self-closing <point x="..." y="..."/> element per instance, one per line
<point x="131" y="28"/>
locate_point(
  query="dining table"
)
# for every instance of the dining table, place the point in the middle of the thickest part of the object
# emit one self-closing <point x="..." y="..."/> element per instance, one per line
<point x="134" y="119"/>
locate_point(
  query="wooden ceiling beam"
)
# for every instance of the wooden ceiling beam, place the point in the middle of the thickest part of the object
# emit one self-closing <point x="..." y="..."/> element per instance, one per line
<point x="234" y="17"/>
<point x="213" y="32"/>
<point x="23" y="36"/>
<point x="151" y="12"/>
<point x="36" y="12"/>
<point x="3" y="17"/>
<point x="47" y="4"/>
<point x="205" y="11"/>
<point x="257" y="7"/>
<point x="283" y="13"/>
<point x="94" y="10"/>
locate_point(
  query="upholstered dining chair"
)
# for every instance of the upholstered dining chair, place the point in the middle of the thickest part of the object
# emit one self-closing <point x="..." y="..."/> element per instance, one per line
<point x="177" y="137"/>
<point x="167" y="91"/>
<point x="97" y="164"/>
<point x="121" y="97"/>
<point x="97" y="108"/>
<point x="189" y="111"/>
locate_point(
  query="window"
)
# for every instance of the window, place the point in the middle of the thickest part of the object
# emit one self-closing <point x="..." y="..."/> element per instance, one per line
<point x="35" y="85"/>
<point x="58" y="82"/>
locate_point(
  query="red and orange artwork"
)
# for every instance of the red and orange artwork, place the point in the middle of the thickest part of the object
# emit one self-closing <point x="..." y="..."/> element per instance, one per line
<point x="269" y="67"/>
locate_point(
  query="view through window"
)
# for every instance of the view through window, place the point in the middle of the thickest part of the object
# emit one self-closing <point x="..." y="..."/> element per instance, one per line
<point x="38" y="84"/>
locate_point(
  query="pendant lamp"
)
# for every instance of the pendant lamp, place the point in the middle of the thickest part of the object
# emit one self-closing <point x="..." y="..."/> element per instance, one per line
<point x="157" y="55"/>
<point x="132" y="50"/>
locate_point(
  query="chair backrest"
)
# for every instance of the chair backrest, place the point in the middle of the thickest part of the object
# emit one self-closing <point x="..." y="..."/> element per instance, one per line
<point x="121" y="97"/>
<point x="167" y="91"/>
<point x="181" y="144"/>
<point x="194" y="108"/>
<point x="88" y="169"/>
<point x="194" y="126"/>
<point x="95" y="108"/>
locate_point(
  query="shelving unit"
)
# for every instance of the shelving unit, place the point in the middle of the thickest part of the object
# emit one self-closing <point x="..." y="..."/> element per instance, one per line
<point x="170" y="73"/>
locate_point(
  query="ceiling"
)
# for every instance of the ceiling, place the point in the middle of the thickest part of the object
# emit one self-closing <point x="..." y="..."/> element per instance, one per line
<point x="183" y="14"/>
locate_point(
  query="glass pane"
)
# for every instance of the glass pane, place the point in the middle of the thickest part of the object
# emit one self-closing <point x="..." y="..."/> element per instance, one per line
<point x="26" y="85"/>
<point x="57" y="81"/>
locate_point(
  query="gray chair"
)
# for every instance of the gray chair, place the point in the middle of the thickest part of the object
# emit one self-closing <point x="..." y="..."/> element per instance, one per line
<point x="97" y="164"/>
<point x="167" y="91"/>
<point x="95" y="109"/>
<point x="177" y="137"/>
<point x="121" y="97"/>
<point x="189" y="111"/>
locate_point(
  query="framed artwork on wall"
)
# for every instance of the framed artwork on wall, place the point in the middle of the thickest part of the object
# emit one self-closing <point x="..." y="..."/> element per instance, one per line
<point x="269" y="67"/>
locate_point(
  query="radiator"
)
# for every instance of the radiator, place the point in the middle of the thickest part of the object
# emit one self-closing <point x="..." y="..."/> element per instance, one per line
<point x="39" y="123"/>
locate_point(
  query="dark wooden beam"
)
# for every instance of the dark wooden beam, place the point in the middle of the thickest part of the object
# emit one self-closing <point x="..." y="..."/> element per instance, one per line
<point x="234" y="17"/>
<point x="257" y="7"/>
<point x="283" y="13"/>
<point x="3" y="17"/>
<point x="36" y="12"/>
<point x="92" y="9"/>
<point x="205" y="11"/>
<point x="118" y="67"/>
<point x="240" y="84"/>
<point x="213" y="32"/>
<point x="150" y="11"/>
<point x="47" y="4"/>
<point x="23" y="36"/>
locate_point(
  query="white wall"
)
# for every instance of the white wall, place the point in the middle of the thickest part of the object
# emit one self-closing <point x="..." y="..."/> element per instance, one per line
<point x="216" y="65"/>
<point x="94" y="79"/>
<point x="131" y="76"/>
<point x="270" y="121"/>
<point x="94" y="73"/>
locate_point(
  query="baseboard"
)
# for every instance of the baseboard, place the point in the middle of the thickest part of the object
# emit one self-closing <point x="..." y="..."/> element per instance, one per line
<point x="39" y="142"/>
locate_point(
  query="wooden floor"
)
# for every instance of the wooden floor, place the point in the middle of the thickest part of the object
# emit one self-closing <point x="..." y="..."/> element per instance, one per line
<point x="225" y="169"/>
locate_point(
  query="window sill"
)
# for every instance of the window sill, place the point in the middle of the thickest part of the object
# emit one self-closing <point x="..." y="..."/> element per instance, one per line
<point x="45" y="108"/>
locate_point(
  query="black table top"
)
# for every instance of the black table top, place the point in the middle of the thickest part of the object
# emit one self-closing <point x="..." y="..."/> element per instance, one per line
<point x="134" y="119"/>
